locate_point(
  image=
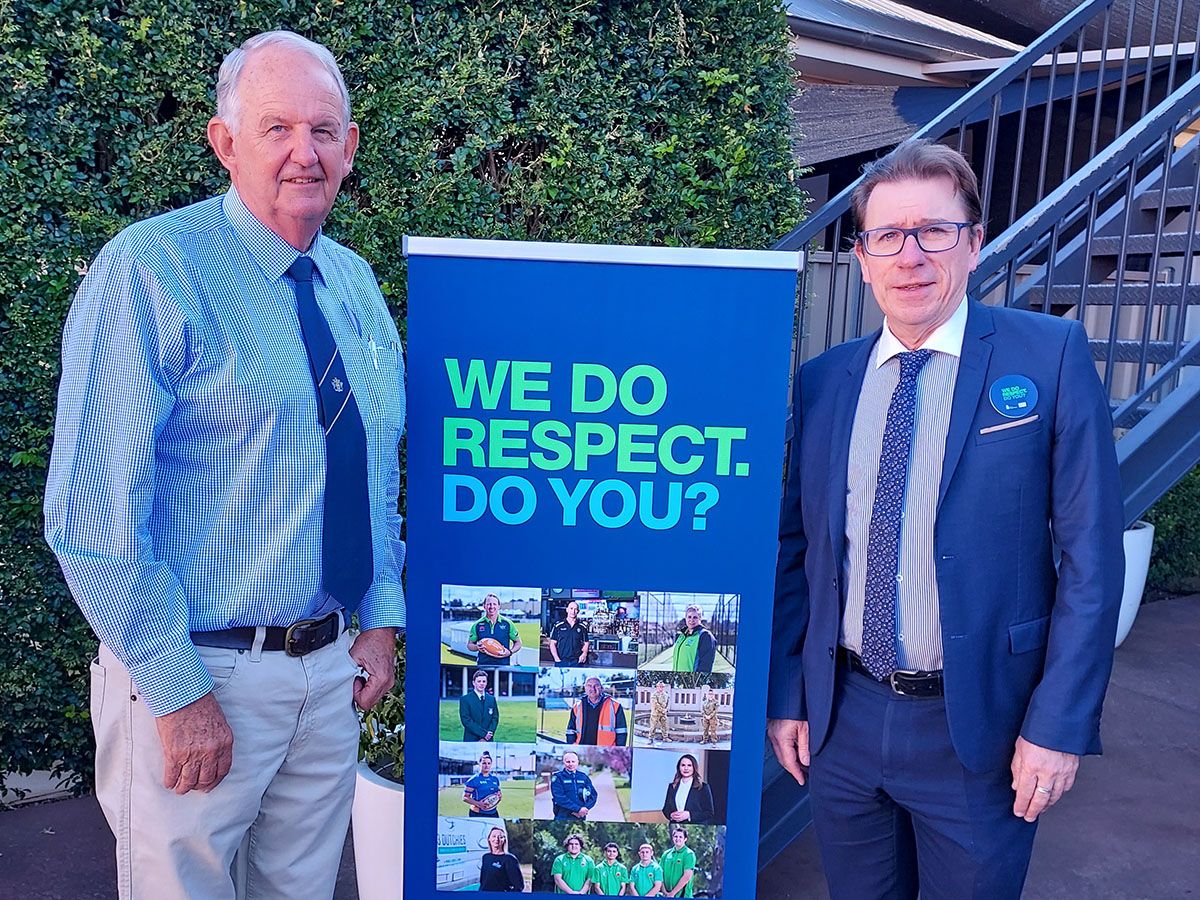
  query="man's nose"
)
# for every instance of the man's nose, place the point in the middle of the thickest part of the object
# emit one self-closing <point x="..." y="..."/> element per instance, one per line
<point x="304" y="149"/>
<point x="910" y="253"/>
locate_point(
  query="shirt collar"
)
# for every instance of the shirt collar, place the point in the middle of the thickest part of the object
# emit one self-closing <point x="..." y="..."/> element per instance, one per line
<point x="946" y="338"/>
<point x="272" y="253"/>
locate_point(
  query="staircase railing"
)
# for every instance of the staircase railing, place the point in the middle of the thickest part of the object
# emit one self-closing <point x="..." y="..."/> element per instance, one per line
<point x="1081" y="48"/>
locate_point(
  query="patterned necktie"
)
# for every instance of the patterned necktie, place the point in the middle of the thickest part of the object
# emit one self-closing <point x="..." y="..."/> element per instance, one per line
<point x="346" y="560"/>
<point x="883" y="544"/>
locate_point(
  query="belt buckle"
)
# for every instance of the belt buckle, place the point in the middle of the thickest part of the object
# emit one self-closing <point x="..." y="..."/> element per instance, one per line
<point x="895" y="686"/>
<point x="290" y="637"/>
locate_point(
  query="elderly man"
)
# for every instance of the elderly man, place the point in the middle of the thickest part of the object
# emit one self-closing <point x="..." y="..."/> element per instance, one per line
<point x="597" y="718"/>
<point x="950" y="561"/>
<point x="222" y="496"/>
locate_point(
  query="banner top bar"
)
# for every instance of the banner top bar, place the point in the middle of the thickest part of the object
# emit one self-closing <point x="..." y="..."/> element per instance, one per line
<point x="604" y="253"/>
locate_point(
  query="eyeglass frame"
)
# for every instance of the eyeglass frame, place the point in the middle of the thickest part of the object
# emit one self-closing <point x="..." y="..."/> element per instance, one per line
<point x="915" y="233"/>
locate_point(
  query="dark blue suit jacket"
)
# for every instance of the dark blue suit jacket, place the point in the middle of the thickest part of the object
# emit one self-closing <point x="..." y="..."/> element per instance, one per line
<point x="1027" y="649"/>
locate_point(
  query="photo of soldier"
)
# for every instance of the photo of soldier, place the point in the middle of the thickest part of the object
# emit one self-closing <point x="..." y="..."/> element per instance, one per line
<point x="490" y="626"/>
<point x="645" y="846"/>
<point x="589" y="707"/>
<point x="486" y="780"/>
<point x="580" y="783"/>
<point x="486" y="705"/>
<point x="683" y="632"/>
<point x="590" y="627"/>
<point x="660" y="705"/>
<point x="611" y="875"/>
<point x="683" y="709"/>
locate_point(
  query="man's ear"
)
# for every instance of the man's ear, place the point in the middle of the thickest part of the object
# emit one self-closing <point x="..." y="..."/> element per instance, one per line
<point x="220" y="138"/>
<point x="350" y="148"/>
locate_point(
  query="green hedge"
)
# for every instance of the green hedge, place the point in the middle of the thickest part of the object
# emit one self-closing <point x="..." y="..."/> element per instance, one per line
<point x="653" y="122"/>
<point x="1175" y="563"/>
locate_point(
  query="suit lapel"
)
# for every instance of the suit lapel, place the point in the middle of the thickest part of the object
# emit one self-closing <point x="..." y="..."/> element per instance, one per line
<point x="968" y="385"/>
<point x="845" y="403"/>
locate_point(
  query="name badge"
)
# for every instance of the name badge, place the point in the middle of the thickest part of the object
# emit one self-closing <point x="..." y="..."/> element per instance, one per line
<point x="1013" y="396"/>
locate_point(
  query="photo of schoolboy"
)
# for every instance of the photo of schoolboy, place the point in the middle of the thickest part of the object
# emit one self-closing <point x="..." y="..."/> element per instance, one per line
<point x="611" y="877"/>
<point x="486" y="705"/>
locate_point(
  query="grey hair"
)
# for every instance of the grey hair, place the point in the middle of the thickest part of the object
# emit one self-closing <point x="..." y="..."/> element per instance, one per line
<point x="228" y="102"/>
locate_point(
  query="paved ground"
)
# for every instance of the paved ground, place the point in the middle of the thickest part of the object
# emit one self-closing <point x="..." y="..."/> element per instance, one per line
<point x="1129" y="831"/>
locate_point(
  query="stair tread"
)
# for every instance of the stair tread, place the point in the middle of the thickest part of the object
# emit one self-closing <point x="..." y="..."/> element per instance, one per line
<point x="1064" y="296"/>
<point x="1169" y="242"/>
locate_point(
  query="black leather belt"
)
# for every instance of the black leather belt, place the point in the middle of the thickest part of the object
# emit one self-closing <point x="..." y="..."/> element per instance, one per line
<point x="908" y="682"/>
<point x="297" y="639"/>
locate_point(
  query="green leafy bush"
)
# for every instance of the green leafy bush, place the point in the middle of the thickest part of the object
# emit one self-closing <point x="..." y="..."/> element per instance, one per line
<point x="656" y="122"/>
<point x="1175" y="562"/>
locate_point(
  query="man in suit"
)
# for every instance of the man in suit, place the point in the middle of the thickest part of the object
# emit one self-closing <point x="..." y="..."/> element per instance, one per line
<point x="934" y="672"/>
<point x="478" y="712"/>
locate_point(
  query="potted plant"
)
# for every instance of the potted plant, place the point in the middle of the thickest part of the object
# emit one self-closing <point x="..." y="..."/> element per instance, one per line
<point x="1139" y="541"/>
<point x="378" y="814"/>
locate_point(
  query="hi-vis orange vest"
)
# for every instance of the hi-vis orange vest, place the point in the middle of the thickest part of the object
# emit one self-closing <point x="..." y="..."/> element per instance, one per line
<point x="606" y="728"/>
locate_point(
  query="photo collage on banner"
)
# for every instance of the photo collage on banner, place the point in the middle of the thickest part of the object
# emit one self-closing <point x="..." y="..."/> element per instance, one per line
<point x="584" y="739"/>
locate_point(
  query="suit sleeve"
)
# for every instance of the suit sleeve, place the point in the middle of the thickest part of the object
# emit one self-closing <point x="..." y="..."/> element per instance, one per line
<point x="785" y="690"/>
<point x="669" y="801"/>
<point x="702" y="811"/>
<point x="1086" y="519"/>
<point x="464" y="713"/>
<point x="493" y="715"/>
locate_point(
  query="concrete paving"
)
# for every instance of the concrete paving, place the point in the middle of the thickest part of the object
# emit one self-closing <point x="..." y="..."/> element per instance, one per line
<point x="1130" y="830"/>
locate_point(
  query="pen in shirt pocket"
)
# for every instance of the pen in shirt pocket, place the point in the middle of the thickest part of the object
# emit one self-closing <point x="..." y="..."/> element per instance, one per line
<point x="374" y="350"/>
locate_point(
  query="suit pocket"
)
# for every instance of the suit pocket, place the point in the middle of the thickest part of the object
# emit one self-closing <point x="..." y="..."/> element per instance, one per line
<point x="1008" y="431"/>
<point x="1028" y="636"/>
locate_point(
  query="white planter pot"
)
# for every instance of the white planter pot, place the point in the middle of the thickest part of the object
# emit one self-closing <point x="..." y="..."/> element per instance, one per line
<point x="378" y="818"/>
<point x="1139" y="539"/>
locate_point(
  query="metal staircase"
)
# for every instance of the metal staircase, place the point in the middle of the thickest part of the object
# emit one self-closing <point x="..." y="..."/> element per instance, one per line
<point x="1094" y="205"/>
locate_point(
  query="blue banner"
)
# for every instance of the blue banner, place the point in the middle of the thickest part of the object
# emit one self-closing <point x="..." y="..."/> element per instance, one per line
<point x="594" y="465"/>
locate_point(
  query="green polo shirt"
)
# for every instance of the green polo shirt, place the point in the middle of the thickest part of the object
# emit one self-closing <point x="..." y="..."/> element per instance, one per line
<point x="575" y="870"/>
<point x="610" y="878"/>
<point x="674" y="864"/>
<point x="643" y="878"/>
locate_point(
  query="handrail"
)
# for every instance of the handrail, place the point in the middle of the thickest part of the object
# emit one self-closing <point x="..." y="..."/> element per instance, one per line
<point x="1095" y="174"/>
<point x="955" y="115"/>
<point x="1164" y="375"/>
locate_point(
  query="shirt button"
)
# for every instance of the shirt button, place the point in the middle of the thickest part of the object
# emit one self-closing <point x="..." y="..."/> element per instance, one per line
<point x="899" y="578"/>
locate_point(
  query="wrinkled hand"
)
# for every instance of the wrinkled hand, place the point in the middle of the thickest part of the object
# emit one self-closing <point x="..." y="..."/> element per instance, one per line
<point x="374" y="650"/>
<point x="789" y="739"/>
<point x="1035" y="767"/>
<point x="197" y="746"/>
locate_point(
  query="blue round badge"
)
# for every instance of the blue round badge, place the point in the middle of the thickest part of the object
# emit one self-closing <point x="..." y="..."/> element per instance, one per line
<point x="1013" y="396"/>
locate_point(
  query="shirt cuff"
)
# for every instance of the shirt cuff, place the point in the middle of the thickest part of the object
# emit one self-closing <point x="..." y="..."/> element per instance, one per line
<point x="170" y="682"/>
<point x="383" y="606"/>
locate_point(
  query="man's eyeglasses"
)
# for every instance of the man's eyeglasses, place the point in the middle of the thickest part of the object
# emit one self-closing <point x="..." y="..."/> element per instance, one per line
<point x="935" y="237"/>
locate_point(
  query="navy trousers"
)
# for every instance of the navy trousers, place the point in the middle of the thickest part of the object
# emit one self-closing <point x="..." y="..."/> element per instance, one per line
<point x="896" y="812"/>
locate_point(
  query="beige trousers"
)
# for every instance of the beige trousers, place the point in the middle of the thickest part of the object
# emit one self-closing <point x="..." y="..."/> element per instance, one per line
<point x="285" y="802"/>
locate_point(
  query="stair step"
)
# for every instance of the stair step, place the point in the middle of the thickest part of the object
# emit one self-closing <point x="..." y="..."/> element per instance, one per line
<point x="1065" y="296"/>
<point x="1176" y="198"/>
<point x="1135" y="415"/>
<point x="1171" y="242"/>
<point x="1131" y="351"/>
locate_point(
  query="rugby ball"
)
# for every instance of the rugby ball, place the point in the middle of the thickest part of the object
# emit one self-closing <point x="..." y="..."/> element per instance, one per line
<point x="490" y="802"/>
<point x="493" y="647"/>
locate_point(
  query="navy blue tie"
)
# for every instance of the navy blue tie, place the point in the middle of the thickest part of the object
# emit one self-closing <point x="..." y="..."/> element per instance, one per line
<point x="883" y="544"/>
<point x="346" y="559"/>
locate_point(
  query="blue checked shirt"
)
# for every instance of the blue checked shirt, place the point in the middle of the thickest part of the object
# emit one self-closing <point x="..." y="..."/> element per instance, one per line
<point x="186" y="487"/>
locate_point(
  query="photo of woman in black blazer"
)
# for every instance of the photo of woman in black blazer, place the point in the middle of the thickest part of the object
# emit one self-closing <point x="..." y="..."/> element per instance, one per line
<point x="688" y="798"/>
